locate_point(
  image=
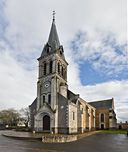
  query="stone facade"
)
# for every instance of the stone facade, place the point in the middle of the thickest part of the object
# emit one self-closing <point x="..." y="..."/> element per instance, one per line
<point x="105" y="114"/>
<point x="58" y="138"/>
<point x="57" y="109"/>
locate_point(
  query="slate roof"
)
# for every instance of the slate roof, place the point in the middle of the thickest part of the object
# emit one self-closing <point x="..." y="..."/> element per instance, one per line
<point x="33" y="105"/>
<point x="72" y="97"/>
<point x="102" y="104"/>
<point x="53" y="40"/>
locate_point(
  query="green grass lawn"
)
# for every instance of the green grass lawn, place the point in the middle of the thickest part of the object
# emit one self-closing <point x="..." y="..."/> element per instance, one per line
<point x="115" y="131"/>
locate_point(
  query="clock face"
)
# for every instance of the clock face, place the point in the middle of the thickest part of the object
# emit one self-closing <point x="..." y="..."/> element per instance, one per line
<point x="46" y="85"/>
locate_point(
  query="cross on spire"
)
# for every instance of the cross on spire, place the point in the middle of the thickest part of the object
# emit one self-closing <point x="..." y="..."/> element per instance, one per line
<point x="54" y="15"/>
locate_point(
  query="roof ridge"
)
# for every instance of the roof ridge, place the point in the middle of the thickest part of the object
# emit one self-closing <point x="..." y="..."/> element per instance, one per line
<point x="101" y="100"/>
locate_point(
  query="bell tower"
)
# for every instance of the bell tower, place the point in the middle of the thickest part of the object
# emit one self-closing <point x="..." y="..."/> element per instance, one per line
<point x="52" y="71"/>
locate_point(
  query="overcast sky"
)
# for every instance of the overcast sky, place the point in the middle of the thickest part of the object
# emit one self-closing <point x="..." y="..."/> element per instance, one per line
<point x="93" y="34"/>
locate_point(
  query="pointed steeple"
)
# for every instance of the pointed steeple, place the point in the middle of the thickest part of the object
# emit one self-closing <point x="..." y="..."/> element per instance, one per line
<point x="53" y="40"/>
<point x="53" y="44"/>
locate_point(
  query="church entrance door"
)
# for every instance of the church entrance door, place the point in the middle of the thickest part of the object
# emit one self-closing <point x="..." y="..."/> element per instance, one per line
<point x="46" y="123"/>
<point x="102" y="126"/>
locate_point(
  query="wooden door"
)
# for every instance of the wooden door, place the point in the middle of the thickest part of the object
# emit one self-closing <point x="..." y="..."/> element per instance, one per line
<point x="46" y="123"/>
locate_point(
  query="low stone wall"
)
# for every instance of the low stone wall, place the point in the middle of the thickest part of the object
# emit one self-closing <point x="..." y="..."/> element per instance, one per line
<point x="58" y="138"/>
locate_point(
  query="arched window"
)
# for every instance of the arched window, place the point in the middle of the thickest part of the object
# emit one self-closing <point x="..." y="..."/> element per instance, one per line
<point x="40" y="89"/>
<point x="62" y="71"/>
<point x="73" y="115"/>
<point x="60" y="52"/>
<point x="40" y="102"/>
<point x="49" y="99"/>
<point x="45" y="67"/>
<point x="58" y="67"/>
<point x="50" y="67"/>
<point x="102" y="117"/>
<point x="47" y="49"/>
<point x="64" y="74"/>
<point x="43" y="98"/>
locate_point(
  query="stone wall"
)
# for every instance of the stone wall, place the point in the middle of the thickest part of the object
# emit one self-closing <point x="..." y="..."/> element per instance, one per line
<point x="58" y="139"/>
<point x="62" y="114"/>
<point x="72" y="122"/>
<point x="106" y="119"/>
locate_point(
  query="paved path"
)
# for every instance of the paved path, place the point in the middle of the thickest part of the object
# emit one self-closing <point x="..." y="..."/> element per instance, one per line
<point x="21" y="135"/>
<point x="96" y="143"/>
<point x="29" y="135"/>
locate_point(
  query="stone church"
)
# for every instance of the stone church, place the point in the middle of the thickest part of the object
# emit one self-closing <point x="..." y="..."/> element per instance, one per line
<point x="56" y="108"/>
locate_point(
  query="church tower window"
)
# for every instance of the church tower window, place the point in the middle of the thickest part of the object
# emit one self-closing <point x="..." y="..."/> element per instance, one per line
<point x="40" y="89"/>
<point x="58" y="67"/>
<point x="50" y="67"/>
<point x="62" y="71"/>
<point x="49" y="99"/>
<point x="60" y="52"/>
<point x="43" y="98"/>
<point x="45" y="67"/>
<point x="48" y="50"/>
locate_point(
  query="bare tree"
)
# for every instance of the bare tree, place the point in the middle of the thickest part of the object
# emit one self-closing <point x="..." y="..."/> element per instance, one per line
<point x="25" y="112"/>
<point x="9" y="117"/>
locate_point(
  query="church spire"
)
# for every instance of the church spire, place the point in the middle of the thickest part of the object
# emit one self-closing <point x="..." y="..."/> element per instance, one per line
<point x="53" y="43"/>
<point x="53" y="39"/>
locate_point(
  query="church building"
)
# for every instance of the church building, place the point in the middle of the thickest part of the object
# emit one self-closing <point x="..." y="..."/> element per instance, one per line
<point x="56" y="108"/>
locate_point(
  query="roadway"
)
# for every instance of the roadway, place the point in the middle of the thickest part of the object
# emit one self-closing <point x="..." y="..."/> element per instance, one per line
<point x="99" y="142"/>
